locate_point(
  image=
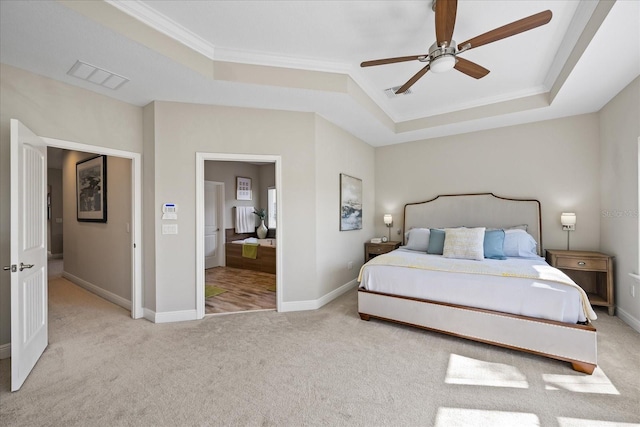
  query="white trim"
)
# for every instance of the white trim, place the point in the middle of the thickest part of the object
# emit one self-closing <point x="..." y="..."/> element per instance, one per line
<point x="109" y="296"/>
<point x="150" y="315"/>
<point x="5" y="351"/>
<point x="165" y="25"/>
<point x="170" y="316"/>
<point x="268" y="60"/>
<point x="628" y="319"/>
<point x="200" y="159"/>
<point x="175" y="316"/>
<point x="136" y="196"/>
<point x="317" y="303"/>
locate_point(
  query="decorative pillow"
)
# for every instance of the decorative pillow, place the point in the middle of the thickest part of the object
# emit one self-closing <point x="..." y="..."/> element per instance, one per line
<point x="436" y="241"/>
<point x="493" y="244"/>
<point x="418" y="239"/>
<point x="464" y="243"/>
<point x="519" y="243"/>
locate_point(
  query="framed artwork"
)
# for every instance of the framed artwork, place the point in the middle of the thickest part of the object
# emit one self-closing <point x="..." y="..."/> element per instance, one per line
<point x="91" y="189"/>
<point x="243" y="188"/>
<point x="350" y="203"/>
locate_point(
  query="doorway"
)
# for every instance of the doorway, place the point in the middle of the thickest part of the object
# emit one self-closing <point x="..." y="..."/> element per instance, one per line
<point x="133" y="224"/>
<point x="201" y="158"/>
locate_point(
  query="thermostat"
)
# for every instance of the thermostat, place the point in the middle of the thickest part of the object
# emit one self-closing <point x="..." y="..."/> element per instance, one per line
<point x="169" y="211"/>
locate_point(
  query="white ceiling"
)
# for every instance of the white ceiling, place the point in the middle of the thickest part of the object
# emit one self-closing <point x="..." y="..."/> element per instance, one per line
<point x="573" y="65"/>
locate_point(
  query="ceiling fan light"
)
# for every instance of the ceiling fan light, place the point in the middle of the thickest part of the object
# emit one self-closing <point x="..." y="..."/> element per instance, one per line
<point x="442" y="63"/>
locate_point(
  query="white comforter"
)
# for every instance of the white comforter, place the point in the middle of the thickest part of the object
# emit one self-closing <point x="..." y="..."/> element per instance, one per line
<point x="528" y="287"/>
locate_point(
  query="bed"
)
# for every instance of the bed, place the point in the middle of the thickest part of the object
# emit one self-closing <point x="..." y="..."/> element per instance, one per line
<point x="517" y="301"/>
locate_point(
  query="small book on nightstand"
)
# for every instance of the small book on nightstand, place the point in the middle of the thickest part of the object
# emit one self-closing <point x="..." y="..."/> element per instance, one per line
<point x="376" y="240"/>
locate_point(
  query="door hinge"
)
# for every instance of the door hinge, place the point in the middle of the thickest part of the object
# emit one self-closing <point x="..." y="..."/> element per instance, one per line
<point x="13" y="268"/>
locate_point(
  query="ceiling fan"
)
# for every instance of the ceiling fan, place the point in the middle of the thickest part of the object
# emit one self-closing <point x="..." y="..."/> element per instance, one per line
<point x="443" y="54"/>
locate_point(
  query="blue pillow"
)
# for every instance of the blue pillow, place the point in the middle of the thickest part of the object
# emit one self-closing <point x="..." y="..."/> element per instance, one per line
<point x="436" y="242"/>
<point x="493" y="244"/>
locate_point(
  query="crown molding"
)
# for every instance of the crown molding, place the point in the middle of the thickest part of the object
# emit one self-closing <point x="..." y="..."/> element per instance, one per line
<point x="166" y="26"/>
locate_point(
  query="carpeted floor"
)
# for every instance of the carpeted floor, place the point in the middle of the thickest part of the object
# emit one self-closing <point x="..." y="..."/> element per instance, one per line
<point x="324" y="367"/>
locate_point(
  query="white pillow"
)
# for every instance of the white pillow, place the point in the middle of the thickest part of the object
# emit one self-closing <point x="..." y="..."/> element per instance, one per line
<point x="464" y="243"/>
<point x="418" y="239"/>
<point x="519" y="243"/>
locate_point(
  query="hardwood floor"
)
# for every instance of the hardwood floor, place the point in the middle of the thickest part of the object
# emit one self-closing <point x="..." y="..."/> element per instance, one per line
<point x="246" y="290"/>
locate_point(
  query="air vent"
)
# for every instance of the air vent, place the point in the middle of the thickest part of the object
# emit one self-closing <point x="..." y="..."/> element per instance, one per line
<point x="97" y="75"/>
<point x="391" y="92"/>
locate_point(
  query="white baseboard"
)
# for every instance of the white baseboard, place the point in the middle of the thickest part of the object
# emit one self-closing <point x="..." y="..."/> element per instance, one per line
<point x="150" y="315"/>
<point x="317" y="303"/>
<point x="5" y="351"/>
<point x="628" y="319"/>
<point x="174" y="316"/>
<point x="109" y="296"/>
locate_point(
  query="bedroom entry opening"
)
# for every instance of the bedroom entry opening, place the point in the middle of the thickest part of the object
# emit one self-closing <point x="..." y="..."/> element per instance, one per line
<point x="237" y="233"/>
<point x="75" y="241"/>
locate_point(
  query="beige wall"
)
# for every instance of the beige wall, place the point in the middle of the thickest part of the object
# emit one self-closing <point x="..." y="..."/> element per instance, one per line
<point x="181" y="130"/>
<point x="555" y="161"/>
<point x="619" y="133"/>
<point x="56" y="110"/>
<point x="99" y="253"/>
<point x="336" y="152"/>
<point x="149" y="211"/>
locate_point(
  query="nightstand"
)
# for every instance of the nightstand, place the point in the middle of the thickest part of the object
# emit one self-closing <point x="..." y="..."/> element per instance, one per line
<point x="372" y="250"/>
<point x="592" y="271"/>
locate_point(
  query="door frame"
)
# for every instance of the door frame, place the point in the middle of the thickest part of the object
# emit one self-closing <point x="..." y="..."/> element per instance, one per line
<point x="201" y="157"/>
<point x="136" y="210"/>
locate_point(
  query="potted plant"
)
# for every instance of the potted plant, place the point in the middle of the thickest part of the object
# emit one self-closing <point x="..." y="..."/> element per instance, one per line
<point x="262" y="229"/>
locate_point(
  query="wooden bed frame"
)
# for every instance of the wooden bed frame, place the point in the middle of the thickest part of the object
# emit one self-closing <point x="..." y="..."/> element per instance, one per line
<point x="571" y="343"/>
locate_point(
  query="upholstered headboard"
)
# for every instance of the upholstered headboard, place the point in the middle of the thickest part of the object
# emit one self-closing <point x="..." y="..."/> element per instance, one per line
<point x="475" y="210"/>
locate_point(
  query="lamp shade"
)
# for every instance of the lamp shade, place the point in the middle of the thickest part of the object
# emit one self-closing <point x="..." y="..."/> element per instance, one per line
<point x="568" y="218"/>
<point x="388" y="219"/>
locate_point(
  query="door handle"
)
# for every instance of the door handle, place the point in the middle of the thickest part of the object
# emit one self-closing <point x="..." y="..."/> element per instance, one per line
<point x="23" y="266"/>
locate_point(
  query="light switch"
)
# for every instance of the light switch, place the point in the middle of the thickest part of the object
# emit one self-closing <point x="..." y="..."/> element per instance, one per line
<point x="169" y="228"/>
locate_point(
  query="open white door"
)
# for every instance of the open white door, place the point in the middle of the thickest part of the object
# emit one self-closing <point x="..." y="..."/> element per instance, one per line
<point x="29" y="325"/>
<point x="211" y="224"/>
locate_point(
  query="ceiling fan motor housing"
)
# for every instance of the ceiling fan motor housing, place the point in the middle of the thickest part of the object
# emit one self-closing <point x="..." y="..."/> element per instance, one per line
<point x="442" y="58"/>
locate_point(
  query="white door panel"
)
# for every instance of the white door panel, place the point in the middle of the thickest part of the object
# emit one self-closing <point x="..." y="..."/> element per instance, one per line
<point x="29" y="334"/>
<point x="211" y="227"/>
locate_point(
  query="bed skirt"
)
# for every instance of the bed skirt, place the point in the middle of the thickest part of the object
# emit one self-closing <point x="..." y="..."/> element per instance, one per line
<point x="572" y="343"/>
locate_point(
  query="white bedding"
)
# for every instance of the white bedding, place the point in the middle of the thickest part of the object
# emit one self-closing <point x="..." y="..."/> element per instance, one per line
<point x="522" y="296"/>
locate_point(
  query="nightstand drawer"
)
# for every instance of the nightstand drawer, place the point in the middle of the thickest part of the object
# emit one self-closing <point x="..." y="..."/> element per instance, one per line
<point x="374" y="249"/>
<point x="581" y="263"/>
<point x="380" y="250"/>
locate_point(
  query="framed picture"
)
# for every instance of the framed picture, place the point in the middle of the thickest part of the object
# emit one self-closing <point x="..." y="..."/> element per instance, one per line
<point x="91" y="189"/>
<point x="350" y="203"/>
<point x="243" y="188"/>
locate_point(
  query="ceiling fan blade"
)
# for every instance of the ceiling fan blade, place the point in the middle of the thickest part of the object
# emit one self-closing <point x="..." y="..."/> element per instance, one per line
<point x="391" y="60"/>
<point x="445" y="20"/>
<point x="509" y="30"/>
<point x="470" y="68"/>
<point x="412" y="80"/>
